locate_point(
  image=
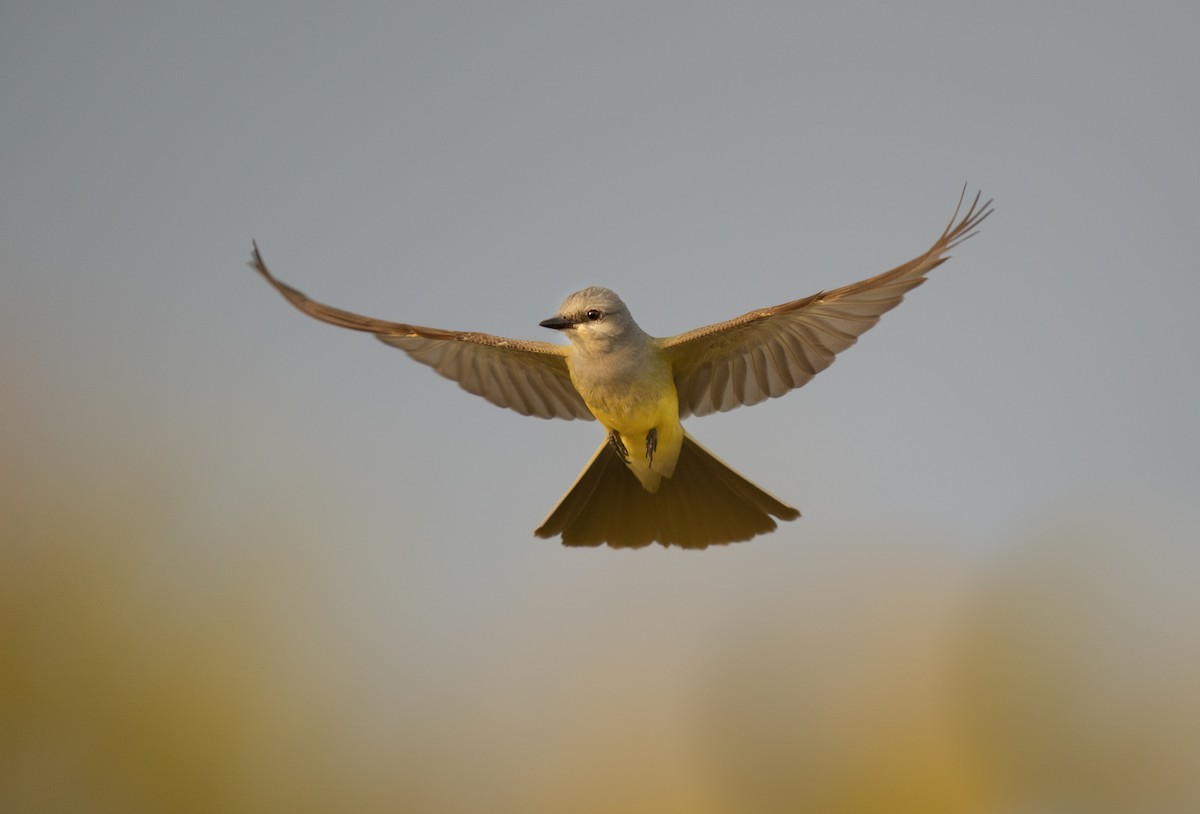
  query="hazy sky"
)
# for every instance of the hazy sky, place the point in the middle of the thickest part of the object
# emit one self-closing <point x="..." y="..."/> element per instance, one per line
<point x="467" y="165"/>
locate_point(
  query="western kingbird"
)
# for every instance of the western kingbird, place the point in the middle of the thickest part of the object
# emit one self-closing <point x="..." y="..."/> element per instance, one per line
<point x="650" y="481"/>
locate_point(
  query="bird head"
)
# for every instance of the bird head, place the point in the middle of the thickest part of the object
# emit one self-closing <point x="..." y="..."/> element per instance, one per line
<point x="592" y="317"/>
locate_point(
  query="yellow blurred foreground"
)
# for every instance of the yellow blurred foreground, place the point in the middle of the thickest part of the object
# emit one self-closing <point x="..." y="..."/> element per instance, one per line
<point x="150" y="662"/>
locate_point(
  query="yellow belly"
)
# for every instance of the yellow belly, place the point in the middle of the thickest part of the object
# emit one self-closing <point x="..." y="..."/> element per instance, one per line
<point x="632" y="405"/>
<point x="633" y="422"/>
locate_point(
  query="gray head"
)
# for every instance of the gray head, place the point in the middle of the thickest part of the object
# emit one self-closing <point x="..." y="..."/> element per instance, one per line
<point x="594" y="315"/>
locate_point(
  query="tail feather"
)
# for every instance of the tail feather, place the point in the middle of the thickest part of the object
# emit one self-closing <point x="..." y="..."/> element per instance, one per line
<point x="704" y="503"/>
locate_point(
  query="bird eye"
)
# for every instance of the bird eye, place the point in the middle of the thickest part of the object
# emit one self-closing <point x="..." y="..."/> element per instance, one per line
<point x="593" y="314"/>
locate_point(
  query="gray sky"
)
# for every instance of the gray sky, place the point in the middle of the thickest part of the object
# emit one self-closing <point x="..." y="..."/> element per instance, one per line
<point x="467" y="165"/>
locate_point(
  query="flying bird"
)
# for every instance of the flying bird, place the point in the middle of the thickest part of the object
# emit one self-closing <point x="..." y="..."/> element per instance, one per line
<point x="650" y="481"/>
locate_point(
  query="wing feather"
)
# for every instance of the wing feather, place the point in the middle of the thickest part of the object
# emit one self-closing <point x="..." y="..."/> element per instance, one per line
<point x="529" y="377"/>
<point x="722" y="366"/>
<point x="781" y="365"/>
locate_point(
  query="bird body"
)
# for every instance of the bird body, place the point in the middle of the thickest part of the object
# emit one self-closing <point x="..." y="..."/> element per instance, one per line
<point x="650" y="481"/>
<point x="625" y="379"/>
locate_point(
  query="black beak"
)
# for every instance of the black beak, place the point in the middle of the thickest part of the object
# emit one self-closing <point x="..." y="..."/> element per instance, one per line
<point x="557" y="323"/>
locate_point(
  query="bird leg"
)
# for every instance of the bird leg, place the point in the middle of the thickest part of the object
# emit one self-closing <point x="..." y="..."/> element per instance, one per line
<point x="651" y="444"/>
<point x="614" y="441"/>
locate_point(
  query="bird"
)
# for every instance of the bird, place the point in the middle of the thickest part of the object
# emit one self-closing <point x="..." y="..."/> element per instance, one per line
<point x="650" y="481"/>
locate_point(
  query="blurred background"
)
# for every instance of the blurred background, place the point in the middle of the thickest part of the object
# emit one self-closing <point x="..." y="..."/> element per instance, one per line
<point x="249" y="562"/>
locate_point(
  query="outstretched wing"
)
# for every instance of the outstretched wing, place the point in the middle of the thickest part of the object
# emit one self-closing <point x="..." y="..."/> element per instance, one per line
<point x="529" y="377"/>
<point x="766" y="353"/>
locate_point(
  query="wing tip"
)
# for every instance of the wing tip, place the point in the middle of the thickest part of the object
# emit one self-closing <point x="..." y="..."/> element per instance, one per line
<point x="957" y="230"/>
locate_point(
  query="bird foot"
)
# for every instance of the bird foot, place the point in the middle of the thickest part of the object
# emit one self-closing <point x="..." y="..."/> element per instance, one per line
<point x="614" y="441"/>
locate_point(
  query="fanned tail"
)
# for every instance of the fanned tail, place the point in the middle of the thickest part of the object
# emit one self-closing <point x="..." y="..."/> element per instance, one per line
<point x="704" y="503"/>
